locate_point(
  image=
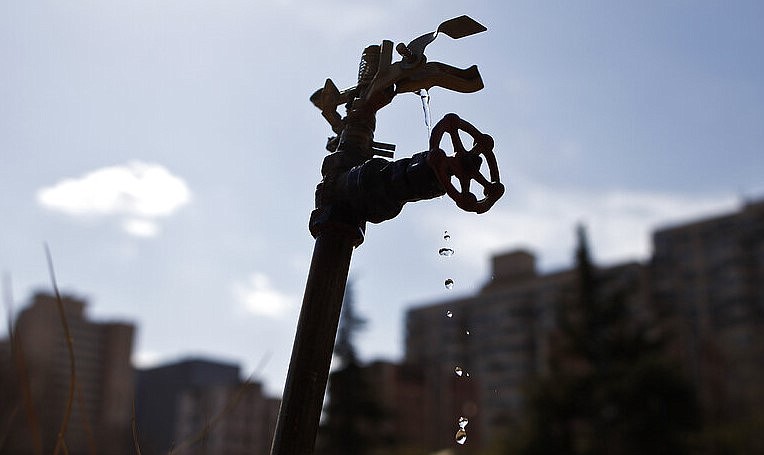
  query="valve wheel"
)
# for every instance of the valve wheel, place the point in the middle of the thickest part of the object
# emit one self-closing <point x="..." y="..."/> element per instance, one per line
<point x="465" y="164"/>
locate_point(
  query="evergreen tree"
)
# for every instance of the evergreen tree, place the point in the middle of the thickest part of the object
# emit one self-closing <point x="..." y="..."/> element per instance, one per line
<point x="609" y="389"/>
<point x="353" y="414"/>
<point x="350" y="324"/>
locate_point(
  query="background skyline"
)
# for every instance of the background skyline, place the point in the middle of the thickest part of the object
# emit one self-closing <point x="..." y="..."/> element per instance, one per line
<point x="168" y="152"/>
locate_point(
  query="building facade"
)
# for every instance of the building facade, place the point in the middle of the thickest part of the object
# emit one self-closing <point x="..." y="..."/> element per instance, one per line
<point x="478" y="354"/>
<point x="200" y="407"/>
<point x="157" y="395"/>
<point x="227" y="419"/>
<point x="703" y="286"/>
<point x="40" y="385"/>
<point x="709" y="275"/>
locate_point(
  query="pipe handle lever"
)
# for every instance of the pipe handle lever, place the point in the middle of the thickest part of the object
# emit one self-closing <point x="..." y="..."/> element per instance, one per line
<point x="464" y="165"/>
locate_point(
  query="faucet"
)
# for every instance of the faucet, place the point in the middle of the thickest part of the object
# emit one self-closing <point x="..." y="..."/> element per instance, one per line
<point x="360" y="184"/>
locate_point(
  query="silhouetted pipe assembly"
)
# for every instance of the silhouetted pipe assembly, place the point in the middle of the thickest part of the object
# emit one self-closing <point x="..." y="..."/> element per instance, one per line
<point x="358" y="186"/>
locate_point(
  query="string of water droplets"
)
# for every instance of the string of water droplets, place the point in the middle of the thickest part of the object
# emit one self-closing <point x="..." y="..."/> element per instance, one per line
<point x="447" y="251"/>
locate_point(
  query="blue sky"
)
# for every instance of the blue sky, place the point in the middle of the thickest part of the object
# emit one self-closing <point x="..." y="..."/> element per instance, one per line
<point x="167" y="151"/>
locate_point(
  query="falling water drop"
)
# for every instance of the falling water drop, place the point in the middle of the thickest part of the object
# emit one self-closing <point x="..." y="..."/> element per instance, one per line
<point x="461" y="433"/>
<point x="449" y="314"/>
<point x="449" y="283"/>
<point x="446" y="252"/>
<point x="458" y="370"/>
<point x="424" y="95"/>
<point x="463" y="421"/>
<point x="467" y="332"/>
<point x="446" y="236"/>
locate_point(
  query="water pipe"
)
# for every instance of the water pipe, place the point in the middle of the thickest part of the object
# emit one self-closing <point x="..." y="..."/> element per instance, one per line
<point x="358" y="186"/>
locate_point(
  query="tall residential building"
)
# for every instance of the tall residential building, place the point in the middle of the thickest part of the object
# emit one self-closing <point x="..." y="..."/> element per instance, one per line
<point x="709" y="275"/>
<point x="399" y="391"/>
<point x="203" y="407"/>
<point x="704" y="282"/>
<point x="402" y="393"/>
<point x="227" y="420"/>
<point x="478" y="353"/>
<point x="157" y="396"/>
<point x="389" y="409"/>
<point x="36" y="377"/>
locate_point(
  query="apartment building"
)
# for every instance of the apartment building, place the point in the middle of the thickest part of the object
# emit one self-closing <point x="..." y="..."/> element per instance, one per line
<point x="36" y="377"/>
<point x="705" y="281"/>
<point x="709" y="275"/>
<point x="478" y="353"/>
<point x="201" y="406"/>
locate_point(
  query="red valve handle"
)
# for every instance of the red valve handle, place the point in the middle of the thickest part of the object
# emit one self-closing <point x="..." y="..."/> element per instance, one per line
<point x="465" y="164"/>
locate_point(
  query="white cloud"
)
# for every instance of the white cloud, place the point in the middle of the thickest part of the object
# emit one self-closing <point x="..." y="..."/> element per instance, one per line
<point x="140" y="227"/>
<point x="258" y="296"/>
<point x="146" y="359"/>
<point x="139" y="193"/>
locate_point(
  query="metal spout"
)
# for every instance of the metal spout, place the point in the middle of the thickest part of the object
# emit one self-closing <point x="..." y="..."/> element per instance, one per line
<point x="378" y="189"/>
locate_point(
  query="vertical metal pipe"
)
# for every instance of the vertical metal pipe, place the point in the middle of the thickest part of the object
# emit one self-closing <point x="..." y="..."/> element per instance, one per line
<point x="314" y="342"/>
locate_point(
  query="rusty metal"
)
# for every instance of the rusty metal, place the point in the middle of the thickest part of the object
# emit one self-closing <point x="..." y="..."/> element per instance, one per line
<point x="358" y="186"/>
<point x="458" y="27"/>
<point x="465" y="164"/>
<point x="309" y="366"/>
<point x="410" y="74"/>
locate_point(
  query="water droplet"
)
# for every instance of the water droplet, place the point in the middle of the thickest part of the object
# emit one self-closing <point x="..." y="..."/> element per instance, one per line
<point x="446" y="236"/>
<point x="468" y="332"/>
<point x="459" y="372"/>
<point x="463" y="421"/>
<point x="449" y="283"/>
<point x="449" y="314"/>
<point x="424" y="95"/>
<point x="461" y="436"/>
<point x="446" y="252"/>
